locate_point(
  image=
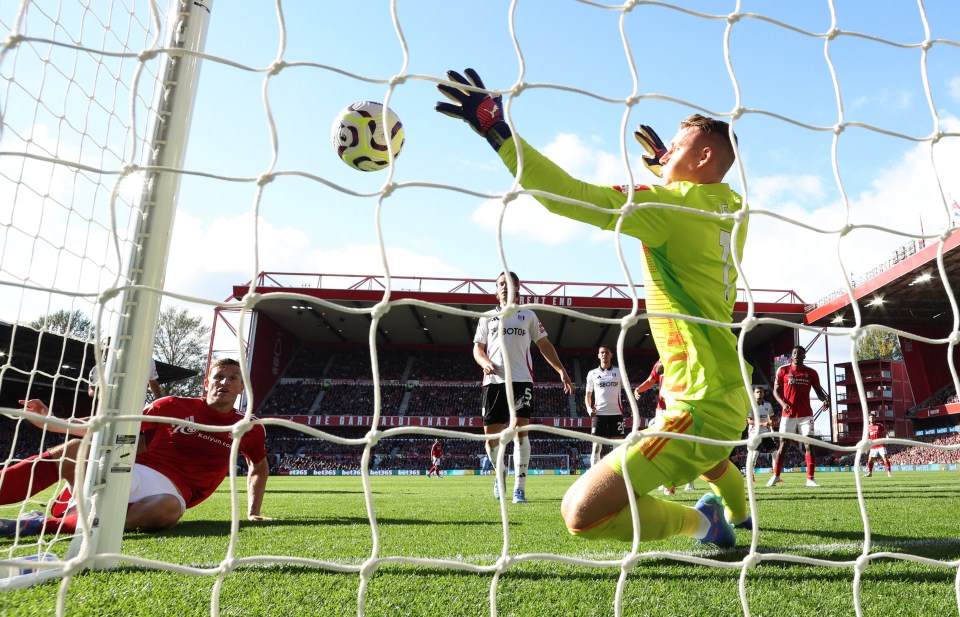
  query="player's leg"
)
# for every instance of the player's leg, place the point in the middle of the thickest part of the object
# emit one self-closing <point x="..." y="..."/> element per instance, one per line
<point x="597" y="505"/>
<point x="492" y="447"/>
<point x="521" y="443"/>
<point x="154" y="513"/>
<point x="787" y="426"/>
<point x="521" y="458"/>
<point x="725" y="480"/>
<point x="495" y="413"/>
<point x="886" y="463"/>
<point x="32" y="475"/>
<point x="870" y="458"/>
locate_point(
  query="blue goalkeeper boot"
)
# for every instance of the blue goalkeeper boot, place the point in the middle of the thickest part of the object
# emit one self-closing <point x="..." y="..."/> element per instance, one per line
<point x="721" y="534"/>
<point x="519" y="496"/>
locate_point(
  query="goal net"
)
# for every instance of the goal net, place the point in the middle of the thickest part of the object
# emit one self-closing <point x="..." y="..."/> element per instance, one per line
<point x="543" y="464"/>
<point x="102" y="171"/>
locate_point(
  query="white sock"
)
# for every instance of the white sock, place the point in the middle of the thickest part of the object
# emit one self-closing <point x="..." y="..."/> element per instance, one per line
<point x="521" y="450"/>
<point x="595" y="454"/>
<point x="492" y="454"/>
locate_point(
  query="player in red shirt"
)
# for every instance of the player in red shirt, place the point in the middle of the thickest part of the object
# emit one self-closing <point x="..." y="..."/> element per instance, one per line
<point x="179" y="467"/>
<point x="436" y="453"/>
<point x="792" y="391"/>
<point x="877" y="431"/>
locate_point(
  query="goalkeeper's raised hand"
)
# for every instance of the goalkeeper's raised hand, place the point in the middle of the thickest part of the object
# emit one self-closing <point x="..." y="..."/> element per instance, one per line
<point x="483" y="112"/>
<point x="652" y="143"/>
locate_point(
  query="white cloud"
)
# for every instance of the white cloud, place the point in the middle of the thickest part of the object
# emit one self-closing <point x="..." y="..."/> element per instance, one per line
<point x="901" y="197"/>
<point x="204" y="269"/>
<point x="525" y="217"/>
<point x="953" y="87"/>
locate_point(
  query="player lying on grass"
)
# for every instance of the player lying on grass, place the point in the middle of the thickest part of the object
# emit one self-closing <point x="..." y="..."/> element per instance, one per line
<point x="179" y="467"/>
<point x="688" y="269"/>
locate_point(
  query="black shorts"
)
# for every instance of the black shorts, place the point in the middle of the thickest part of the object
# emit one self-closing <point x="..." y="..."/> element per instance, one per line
<point x="494" y="408"/>
<point x="608" y="426"/>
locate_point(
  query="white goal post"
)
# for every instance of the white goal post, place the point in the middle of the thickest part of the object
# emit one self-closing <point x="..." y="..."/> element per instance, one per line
<point x="131" y="207"/>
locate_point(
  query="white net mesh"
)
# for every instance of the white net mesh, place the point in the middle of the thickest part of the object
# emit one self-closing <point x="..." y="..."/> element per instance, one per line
<point x="78" y="79"/>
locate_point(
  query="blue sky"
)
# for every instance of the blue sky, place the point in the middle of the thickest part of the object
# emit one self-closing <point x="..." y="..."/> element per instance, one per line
<point x="788" y="169"/>
<point x="792" y="170"/>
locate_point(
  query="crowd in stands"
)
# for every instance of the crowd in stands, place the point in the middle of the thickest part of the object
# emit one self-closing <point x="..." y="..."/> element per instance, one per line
<point x="944" y="396"/>
<point x="920" y="455"/>
<point x="357" y="400"/>
<point x="322" y="373"/>
<point x="312" y="454"/>
<point x="444" y="400"/>
<point x="291" y="398"/>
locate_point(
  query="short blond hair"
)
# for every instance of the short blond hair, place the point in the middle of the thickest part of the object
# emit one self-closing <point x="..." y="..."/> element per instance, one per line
<point x="718" y="132"/>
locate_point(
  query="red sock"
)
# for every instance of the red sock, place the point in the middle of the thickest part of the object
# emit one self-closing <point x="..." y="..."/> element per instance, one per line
<point x="810" y="466"/>
<point x="61" y="502"/>
<point x="870" y="466"/>
<point x="66" y="525"/>
<point x="15" y="481"/>
<point x="777" y="467"/>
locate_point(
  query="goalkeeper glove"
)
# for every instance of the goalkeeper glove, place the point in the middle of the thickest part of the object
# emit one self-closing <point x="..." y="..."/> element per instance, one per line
<point x="483" y="112"/>
<point x="652" y="143"/>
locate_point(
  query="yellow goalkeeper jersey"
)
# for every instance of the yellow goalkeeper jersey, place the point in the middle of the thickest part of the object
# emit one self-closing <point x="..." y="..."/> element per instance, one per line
<point x="687" y="266"/>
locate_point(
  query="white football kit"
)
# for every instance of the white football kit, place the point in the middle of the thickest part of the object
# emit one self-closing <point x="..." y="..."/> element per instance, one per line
<point x="606" y="387"/>
<point x="520" y="329"/>
<point x="764" y="410"/>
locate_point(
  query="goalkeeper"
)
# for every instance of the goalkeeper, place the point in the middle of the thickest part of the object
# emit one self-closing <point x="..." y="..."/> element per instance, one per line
<point x="687" y="263"/>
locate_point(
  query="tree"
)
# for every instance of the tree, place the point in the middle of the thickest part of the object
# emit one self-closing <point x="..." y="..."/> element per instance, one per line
<point x="182" y="340"/>
<point x="74" y="323"/>
<point x="879" y="345"/>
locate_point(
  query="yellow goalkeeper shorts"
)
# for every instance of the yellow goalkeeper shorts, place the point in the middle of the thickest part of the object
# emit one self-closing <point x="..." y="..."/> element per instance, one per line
<point x="655" y="461"/>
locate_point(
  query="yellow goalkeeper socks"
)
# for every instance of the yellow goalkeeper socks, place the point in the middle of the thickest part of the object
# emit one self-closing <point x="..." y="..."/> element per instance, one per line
<point x="659" y="519"/>
<point x="730" y="486"/>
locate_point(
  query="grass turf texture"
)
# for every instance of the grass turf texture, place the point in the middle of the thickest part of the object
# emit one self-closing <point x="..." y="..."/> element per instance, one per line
<point x="457" y="519"/>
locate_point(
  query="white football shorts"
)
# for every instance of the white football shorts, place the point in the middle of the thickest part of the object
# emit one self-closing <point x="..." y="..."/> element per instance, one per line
<point x="797" y="426"/>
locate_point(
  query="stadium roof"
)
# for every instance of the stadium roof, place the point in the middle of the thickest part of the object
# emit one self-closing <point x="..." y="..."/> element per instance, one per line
<point x="905" y="292"/>
<point x="45" y="356"/>
<point x="336" y="309"/>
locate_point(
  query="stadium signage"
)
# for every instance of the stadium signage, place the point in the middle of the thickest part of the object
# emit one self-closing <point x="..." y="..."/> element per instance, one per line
<point x="435" y="421"/>
<point x="550" y="300"/>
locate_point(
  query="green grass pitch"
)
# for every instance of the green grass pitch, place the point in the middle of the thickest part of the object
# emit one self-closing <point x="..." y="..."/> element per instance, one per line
<point x="456" y="519"/>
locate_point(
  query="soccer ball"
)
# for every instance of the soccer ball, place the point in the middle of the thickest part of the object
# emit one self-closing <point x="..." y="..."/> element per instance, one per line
<point x="360" y="139"/>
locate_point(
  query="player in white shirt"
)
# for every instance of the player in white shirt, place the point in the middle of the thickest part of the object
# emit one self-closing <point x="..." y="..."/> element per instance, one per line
<point x="491" y="352"/>
<point x="602" y="398"/>
<point x="152" y="379"/>
<point x="765" y="417"/>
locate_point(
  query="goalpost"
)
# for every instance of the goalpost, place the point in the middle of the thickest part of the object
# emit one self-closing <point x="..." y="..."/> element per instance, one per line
<point x="95" y="110"/>
<point x="124" y="195"/>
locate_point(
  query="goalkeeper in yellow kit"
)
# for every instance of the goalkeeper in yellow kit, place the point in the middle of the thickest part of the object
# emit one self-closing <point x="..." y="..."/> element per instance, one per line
<point x="688" y="270"/>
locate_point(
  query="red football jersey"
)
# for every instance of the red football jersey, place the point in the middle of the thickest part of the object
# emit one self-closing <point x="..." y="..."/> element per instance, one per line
<point x="794" y="384"/>
<point x="195" y="461"/>
<point x="654" y="374"/>
<point x="436" y="451"/>
<point x="877" y="431"/>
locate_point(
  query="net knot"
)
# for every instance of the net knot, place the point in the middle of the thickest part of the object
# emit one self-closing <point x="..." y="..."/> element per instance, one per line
<point x="379" y="310"/>
<point x="276" y="67"/>
<point x="265" y="179"/>
<point x="733" y="18"/>
<point x="147" y="54"/>
<point x="396" y="80"/>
